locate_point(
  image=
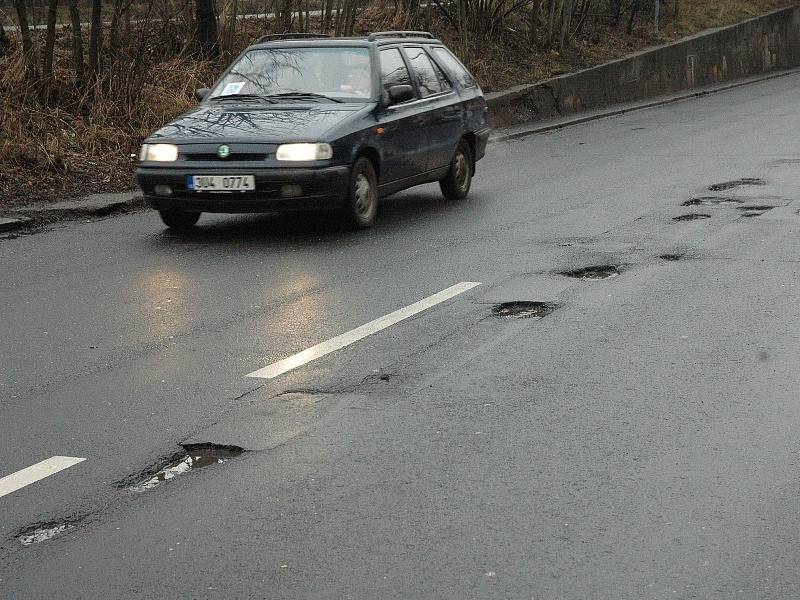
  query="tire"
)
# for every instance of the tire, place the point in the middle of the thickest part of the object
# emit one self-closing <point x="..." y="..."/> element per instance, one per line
<point x="361" y="205"/>
<point x="178" y="219"/>
<point x="456" y="184"/>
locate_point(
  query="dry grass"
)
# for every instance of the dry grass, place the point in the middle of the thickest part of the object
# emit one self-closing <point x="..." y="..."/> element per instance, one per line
<point x="81" y="140"/>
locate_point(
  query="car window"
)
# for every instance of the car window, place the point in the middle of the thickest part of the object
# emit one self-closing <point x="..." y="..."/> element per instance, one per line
<point x="454" y="66"/>
<point x="342" y="73"/>
<point x="443" y="79"/>
<point x="427" y="79"/>
<point x="393" y="69"/>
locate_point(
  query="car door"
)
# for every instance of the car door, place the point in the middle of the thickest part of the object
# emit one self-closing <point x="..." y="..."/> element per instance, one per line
<point x="443" y="111"/>
<point x="404" y="137"/>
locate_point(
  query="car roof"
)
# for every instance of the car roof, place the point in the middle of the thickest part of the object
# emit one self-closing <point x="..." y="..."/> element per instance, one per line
<point x="381" y="38"/>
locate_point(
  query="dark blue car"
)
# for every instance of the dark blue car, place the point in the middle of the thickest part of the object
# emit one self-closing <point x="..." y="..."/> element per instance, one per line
<point x="303" y="122"/>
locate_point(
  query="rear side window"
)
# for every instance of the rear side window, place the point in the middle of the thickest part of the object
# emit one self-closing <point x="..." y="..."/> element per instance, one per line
<point x="427" y="79"/>
<point x="454" y="66"/>
<point x="393" y="69"/>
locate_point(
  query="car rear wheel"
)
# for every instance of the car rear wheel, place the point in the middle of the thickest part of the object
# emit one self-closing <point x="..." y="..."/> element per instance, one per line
<point x="362" y="200"/>
<point x="178" y="219"/>
<point x="456" y="184"/>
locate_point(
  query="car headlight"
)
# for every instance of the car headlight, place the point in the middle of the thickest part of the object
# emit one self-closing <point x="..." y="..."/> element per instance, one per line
<point x="304" y="152"/>
<point x="159" y="152"/>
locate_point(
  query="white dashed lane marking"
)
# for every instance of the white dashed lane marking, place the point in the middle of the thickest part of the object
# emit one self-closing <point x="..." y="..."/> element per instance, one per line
<point x="359" y="333"/>
<point x="20" y="479"/>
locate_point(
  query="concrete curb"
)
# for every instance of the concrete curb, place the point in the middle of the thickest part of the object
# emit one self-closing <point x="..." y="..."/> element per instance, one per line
<point x="524" y="129"/>
<point x="13" y="223"/>
<point x="96" y="205"/>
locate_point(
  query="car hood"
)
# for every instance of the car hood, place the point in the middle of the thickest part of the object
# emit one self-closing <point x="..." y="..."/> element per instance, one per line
<point x="270" y="124"/>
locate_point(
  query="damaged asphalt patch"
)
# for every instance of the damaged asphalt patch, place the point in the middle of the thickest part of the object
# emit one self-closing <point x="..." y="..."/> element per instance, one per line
<point x="595" y="273"/>
<point x="692" y="217"/>
<point x="729" y="185"/>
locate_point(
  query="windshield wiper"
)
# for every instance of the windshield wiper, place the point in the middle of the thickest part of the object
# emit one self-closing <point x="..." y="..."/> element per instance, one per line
<point x="303" y="96"/>
<point x="240" y="97"/>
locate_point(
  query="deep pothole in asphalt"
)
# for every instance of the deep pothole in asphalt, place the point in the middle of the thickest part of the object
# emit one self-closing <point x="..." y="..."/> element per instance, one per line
<point x="692" y="217"/>
<point x="42" y="533"/>
<point x="197" y="456"/>
<point x="712" y="201"/>
<point x="595" y="273"/>
<point x="729" y="185"/>
<point x="671" y="257"/>
<point x="523" y="309"/>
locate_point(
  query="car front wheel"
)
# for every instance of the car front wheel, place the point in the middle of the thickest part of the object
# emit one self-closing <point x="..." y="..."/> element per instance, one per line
<point x="178" y="219"/>
<point x="455" y="185"/>
<point x="362" y="200"/>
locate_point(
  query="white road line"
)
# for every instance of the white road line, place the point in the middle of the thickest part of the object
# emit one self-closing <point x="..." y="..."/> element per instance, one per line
<point x="32" y="474"/>
<point x="340" y="341"/>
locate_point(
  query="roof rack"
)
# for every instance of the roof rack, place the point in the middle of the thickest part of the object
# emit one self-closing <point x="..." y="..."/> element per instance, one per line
<point x="401" y="34"/>
<point x="290" y="36"/>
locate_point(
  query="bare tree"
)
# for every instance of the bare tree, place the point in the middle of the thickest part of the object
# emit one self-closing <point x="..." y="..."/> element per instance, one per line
<point x="28" y="50"/>
<point x="49" y="46"/>
<point x="96" y="28"/>
<point x="77" y="40"/>
<point x="206" y="32"/>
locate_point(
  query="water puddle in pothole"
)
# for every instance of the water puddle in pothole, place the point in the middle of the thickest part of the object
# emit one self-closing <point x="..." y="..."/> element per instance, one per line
<point x="713" y="201"/>
<point x="42" y="534"/>
<point x="729" y="185"/>
<point x="691" y="217"/>
<point x="523" y="310"/>
<point x="593" y="273"/>
<point x="197" y="457"/>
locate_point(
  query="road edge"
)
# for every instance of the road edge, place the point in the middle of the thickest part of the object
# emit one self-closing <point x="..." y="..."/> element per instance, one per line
<point x="524" y="130"/>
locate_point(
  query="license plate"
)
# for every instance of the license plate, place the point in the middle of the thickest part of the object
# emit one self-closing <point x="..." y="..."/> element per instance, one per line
<point x="221" y="183"/>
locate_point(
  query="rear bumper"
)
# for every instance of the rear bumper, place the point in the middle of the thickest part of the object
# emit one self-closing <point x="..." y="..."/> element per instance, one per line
<point x="481" y="141"/>
<point x="320" y="188"/>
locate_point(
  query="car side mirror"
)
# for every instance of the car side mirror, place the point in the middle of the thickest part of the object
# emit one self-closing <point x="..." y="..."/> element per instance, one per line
<point x="202" y="93"/>
<point x="400" y="93"/>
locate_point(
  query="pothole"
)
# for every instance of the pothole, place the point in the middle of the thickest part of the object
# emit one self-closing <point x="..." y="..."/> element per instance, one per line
<point x="593" y="273"/>
<point x="197" y="456"/>
<point x="760" y="207"/>
<point x="729" y="185"/>
<point x="756" y="213"/>
<point x="523" y="309"/>
<point x="671" y="257"/>
<point x="691" y="217"/>
<point x="712" y="201"/>
<point x="42" y="533"/>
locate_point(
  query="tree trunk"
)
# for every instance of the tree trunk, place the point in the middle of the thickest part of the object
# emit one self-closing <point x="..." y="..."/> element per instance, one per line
<point x="28" y="50"/>
<point x="77" y="40"/>
<point x="533" y="27"/>
<point x="94" y="36"/>
<point x="206" y="33"/>
<point x="634" y="10"/>
<point x="566" y="21"/>
<point x="49" y="46"/>
<point x="5" y="43"/>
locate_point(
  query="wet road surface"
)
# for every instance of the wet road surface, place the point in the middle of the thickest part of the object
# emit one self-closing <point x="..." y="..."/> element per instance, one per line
<point x="612" y="412"/>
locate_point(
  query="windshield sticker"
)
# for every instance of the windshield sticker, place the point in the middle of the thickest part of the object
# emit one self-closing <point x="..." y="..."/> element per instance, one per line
<point x="233" y="88"/>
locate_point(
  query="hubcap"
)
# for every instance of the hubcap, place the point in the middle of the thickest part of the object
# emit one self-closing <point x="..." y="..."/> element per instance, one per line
<point x="461" y="170"/>
<point x="363" y="194"/>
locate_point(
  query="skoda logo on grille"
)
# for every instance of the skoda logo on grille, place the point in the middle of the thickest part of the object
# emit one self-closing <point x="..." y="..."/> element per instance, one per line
<point x="223" y="151"/>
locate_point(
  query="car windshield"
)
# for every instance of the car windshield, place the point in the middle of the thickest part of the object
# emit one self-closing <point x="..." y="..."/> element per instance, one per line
<point x="315" y="74"/>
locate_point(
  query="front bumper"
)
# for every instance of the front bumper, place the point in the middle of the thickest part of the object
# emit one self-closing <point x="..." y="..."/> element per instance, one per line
<point x="481" y="139"/>
<point x="324" y="187"/>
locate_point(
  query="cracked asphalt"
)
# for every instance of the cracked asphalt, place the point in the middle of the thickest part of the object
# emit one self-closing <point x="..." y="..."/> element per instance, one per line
<point x="639" y="441"/>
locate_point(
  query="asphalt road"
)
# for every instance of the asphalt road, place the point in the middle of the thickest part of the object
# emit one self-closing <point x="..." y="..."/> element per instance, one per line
<point x="640" y="441"/>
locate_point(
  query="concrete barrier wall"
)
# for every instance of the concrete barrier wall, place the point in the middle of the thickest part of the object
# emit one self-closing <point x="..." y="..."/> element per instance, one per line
<point x="767" y="43"/>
